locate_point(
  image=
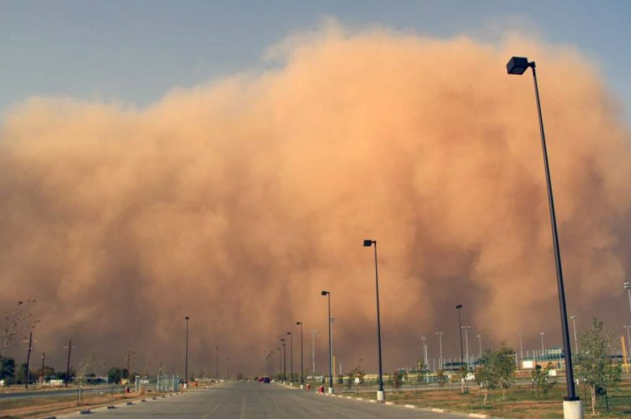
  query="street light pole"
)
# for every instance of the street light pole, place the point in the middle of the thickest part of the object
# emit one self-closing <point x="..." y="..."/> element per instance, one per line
<point x="302" y="373"/>
<point x="459" y="307"/>
<point x="573" y="318"/>
<point x="521" y="348"/>
<point x="572" y="407"/>
<point x="282" y="341"/>
<point x="440" y="341"/>
<point x="314" y="333"/>
<point x="380" y="393"/>
<point x="629" y="342"/>
<point x="466" y="341"/>
<point x="628" y="287"/>
<point x="328" y="294"/>
<point x="291" y="357"/>
<point x="186" y="357"/>
<point x="217" y="364"/>
<point x="480" y="344"/>
<point x="543" y="350"/>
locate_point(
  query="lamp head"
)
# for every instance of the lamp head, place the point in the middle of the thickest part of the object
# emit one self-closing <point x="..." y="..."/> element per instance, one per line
<point x="369" y="242"/>
<point x="627" y="285"/>
<point x="458" y="306"/>
<point x="518" y="65"/>
<point x="298" y="323"/>
<point x="186" y="318"/>
<point x="324" y="293"/>
<point x="288" y="332"/>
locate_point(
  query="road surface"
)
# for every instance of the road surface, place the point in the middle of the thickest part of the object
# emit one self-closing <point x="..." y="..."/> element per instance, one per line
<point x="257" y="400"/>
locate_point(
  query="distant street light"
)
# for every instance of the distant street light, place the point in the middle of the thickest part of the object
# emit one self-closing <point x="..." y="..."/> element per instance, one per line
<point x="573" y="318"/>
<point x="459" y="307"/>
<point x="466" y="328"/>
<point x="572" y="407"/>
<point x="314" y="333"/>
<point x="521" y="348"/>
<point x="217" y="363"/>
<point x="282" y="341"/>
<point x="628" y="342"/>
<point x="440" y="341"/>
<point x="627" y="286"/>
<point x="328" y="294"/>
<point x="542" y="347"/>
<point x="380" y="393"/>
<point x="302" y="373"/>
<point x="186" y="357"/>
<point x="480" y="344"/>
<point x="291" y="357"/>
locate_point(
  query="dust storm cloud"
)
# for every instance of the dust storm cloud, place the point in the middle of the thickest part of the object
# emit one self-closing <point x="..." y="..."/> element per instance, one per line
<point x="237" y="202"/>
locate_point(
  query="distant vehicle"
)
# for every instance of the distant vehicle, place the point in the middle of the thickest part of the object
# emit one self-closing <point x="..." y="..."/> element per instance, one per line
<point x="266" y="380"/>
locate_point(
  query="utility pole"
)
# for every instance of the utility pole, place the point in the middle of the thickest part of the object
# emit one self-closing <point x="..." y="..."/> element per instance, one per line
<point x="28" y="359"/>
<point x="68" y="363"/>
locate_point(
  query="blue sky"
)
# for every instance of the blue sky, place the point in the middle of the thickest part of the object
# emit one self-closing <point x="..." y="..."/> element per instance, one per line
<point x="135" y="51"/>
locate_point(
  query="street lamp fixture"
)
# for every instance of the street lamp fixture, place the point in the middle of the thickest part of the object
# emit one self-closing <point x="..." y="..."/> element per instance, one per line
<point x="328" y="294"/>
<point x="380" y="393"/>
<point x="572" y="407"/>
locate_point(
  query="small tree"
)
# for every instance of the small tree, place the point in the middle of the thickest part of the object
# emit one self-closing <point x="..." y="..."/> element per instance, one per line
<point x="114" y="375"/>
<point x="593" y="364"/>
<point x="540" y="379"/>
<point x="396" y="379"/>
<point x="441" y="378"/>
<point x="498" y="369"/>
<point x="7" y="369"/>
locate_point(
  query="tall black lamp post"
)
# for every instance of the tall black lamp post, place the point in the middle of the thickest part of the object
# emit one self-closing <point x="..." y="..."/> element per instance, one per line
<point x="326" y="293"/>
<point x="302" y="374"/>
<point x="186" y="357"/>
<point x="459" y="307"/>
<point x="217" y="364"/>
<point x="572" y="407"/>
<point x="380" y="393"/>
<point x="291" y="357"/>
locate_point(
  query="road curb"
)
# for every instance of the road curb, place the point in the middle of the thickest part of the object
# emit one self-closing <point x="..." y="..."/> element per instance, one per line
<point x="432" y="409"/>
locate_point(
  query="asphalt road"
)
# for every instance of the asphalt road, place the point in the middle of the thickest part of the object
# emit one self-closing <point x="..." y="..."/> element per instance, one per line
<point x="256" y="400"/>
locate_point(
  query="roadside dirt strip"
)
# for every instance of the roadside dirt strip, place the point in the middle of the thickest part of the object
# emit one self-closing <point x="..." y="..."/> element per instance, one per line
<point x="435" y="410"/>
<point x="104" y="407"/>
